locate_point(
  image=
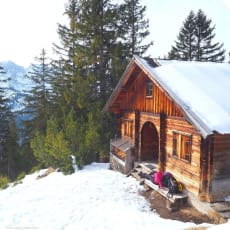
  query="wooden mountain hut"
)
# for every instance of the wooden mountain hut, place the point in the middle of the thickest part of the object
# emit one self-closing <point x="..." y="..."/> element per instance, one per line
<point x="176" y="114"/>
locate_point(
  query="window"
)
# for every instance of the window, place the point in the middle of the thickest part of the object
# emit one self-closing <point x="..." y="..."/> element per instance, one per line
<point x="149" y="89"/>
<point x="182" y="146"/>
<point x="128" y="128"/>
<point x="176" y="141"/>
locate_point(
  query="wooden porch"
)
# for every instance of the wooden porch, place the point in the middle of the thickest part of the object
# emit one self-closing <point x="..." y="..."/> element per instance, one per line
<point x="121" y="155"/>
<point x="174" y="202"/>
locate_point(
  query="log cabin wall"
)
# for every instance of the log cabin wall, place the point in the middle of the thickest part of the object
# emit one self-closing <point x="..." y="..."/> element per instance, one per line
<point x="127" y="126"/>
<point x="129" y="129"/>
<point x="220" y="168"/>
<point x="187" y="171"/>
<point x="133" y="97"/>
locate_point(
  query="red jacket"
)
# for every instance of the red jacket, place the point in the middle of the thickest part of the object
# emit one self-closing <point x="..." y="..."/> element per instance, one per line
<point x="158" y="177"/>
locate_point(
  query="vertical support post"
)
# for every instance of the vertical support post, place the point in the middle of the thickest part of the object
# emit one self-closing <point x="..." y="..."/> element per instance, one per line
<point x="162" y="140"/>
<point x="137" y="136"/>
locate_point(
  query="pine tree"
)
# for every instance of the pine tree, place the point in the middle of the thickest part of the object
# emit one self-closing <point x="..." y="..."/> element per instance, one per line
<point x="206" y="50"/>
<point x="52" y="148"/>
<point x="8" y="133"/>
<point x="184" y="48"/>
<point x="195" y="41"/>
<point x="88" y="44"/>
<point x="131" y="29"/>
<point x="37" y="108"/>
<point x="97" y="41"/>
<point x="37" y="99"/>
<point x="134" y="27"/>
<point x="93" y="53"/>
<point x="98" y="30"/>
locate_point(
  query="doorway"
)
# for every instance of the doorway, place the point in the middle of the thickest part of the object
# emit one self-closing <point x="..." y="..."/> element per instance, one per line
<point x="149" y="143"/>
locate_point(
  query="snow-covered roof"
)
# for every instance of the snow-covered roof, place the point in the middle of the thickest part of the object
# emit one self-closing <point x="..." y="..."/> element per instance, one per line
<point x="202" y="90"/>
<point x="161" y="62"/>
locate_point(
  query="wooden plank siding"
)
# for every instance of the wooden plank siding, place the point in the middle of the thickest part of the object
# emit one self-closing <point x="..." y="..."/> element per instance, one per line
<point x="221" y="156"/>
<point x="219" y="167"/>
<point x="128" y="116"/>
<point x="187" y="172"/>
<point x="132" y="97"/>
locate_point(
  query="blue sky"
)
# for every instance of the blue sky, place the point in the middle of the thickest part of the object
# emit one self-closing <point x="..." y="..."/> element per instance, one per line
<point x="27" y="26"/>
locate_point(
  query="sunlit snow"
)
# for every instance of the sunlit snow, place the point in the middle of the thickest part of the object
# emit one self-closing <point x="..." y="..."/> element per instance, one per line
<point x="92" y="198"/>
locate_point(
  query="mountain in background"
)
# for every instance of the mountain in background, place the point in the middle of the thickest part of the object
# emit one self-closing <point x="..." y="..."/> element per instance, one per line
<point x="16" y="89"/>
<point x="17" y="85"/>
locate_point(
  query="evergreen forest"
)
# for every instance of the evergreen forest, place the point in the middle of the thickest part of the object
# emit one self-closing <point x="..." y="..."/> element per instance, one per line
<point x="64" y="106"/>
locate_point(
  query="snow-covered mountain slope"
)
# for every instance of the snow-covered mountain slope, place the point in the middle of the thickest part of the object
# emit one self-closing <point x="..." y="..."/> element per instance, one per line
<point x="17" y="85"/>
<point x="93" y="198"/>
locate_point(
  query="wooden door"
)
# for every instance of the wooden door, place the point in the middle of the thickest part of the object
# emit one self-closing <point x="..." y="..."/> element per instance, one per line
<point x="149" y="143"/>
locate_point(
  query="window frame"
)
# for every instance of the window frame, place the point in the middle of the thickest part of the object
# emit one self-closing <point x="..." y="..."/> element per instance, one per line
<point x="182" y="146"/>
<point x="127" y="127"/>
<point x="149" y="89"/>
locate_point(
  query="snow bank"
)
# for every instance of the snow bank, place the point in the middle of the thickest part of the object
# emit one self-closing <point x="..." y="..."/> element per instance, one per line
<point x="92" y="198"/>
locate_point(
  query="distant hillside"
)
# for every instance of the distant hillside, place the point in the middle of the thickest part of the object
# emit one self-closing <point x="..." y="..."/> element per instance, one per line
<point x="12" y="68"/>
<point x="18" y="84"/>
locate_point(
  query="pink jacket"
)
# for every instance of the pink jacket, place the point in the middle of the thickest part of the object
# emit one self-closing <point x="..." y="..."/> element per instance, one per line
<point x="158" y="176"/>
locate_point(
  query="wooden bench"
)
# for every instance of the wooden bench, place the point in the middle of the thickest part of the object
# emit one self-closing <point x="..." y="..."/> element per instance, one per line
<point x="174" y="202"/>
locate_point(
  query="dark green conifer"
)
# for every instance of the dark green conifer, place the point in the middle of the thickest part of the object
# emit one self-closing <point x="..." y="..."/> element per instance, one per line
<point x="206" y="49"/>
<point x="93" y="53"/>
<point x="195" y="41"/>
<point x="37" y="99"/>
<point x="184" y="47"/>
<point x="134" y="27"/>
<point x="8" y="132"/>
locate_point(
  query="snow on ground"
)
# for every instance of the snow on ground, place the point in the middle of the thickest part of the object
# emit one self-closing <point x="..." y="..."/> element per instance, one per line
<point x="92" y="198"/>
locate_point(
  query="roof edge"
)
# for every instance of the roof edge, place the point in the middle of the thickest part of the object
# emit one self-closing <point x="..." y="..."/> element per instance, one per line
<point x="190" y="115"/>
<point x="118" y="87"/>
